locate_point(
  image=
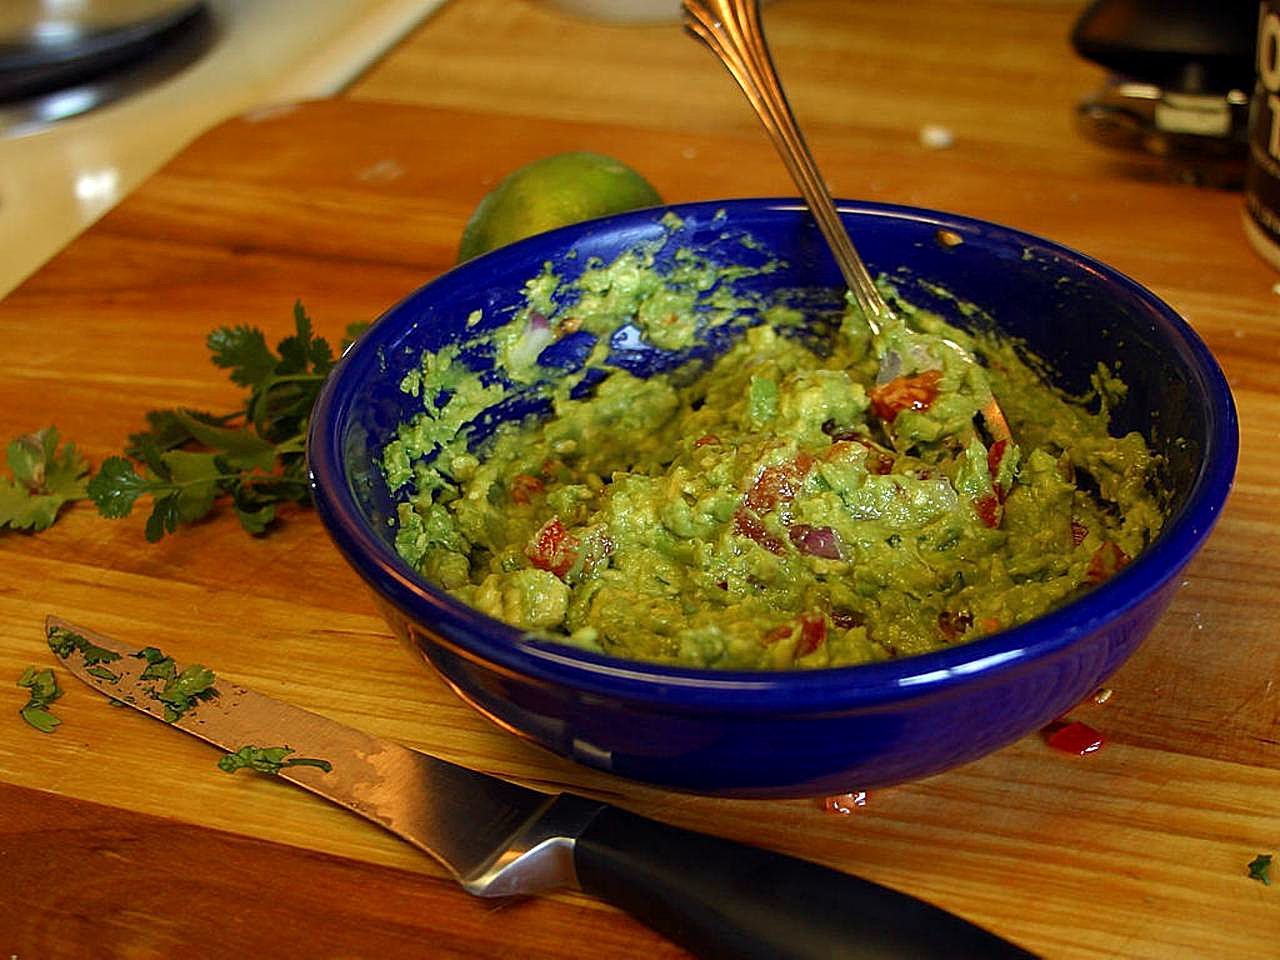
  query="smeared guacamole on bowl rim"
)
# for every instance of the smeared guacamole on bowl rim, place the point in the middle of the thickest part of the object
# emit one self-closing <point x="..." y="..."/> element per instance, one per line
<point x="817" y="495"/>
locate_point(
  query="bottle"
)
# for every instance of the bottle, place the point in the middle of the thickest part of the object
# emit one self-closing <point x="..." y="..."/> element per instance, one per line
<point x="1262" y="175"/>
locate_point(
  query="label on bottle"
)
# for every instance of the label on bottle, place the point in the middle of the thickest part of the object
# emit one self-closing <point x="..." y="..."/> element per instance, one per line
<point x="1262" y="178"/>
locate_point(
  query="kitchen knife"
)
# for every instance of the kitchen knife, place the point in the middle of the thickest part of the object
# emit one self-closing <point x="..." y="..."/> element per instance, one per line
<point x="715" y="897"/>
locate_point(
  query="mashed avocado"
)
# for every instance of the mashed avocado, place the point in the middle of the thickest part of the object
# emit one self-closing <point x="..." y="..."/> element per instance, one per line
<point x="800" y="501"/>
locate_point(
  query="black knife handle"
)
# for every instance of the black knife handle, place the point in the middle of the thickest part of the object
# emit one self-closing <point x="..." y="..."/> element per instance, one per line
<point x="719" y="899"/>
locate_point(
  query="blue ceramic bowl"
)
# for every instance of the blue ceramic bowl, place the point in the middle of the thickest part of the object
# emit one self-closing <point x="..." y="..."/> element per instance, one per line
<point x="804" y="732"/>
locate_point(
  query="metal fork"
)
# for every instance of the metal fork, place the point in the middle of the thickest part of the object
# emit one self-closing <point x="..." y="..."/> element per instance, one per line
<point x="733" y="32"/>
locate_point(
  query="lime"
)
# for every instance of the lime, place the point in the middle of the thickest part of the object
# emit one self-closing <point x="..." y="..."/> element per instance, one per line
<point x="551" y="192"/>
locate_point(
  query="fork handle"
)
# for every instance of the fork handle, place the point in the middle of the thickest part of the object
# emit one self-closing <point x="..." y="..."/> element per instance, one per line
<point x="732" y="30"/>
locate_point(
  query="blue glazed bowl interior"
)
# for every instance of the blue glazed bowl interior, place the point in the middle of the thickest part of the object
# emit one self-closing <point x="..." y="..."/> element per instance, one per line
<point x="1070" y="311"/>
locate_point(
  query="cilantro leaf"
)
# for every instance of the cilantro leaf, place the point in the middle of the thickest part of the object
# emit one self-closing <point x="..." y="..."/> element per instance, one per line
<point x="159" y="666"/>
<point x="44" y="480"/>
<point x="268" y="760"/>
<point x="64" y="642"/>
<point x="116" y="486"/>
<point x="243" y="350"/>
<point x="180" y="693"/>
<point x="44" y="689"/>
<point x="1260" y="869"/>
<point x="304" y="352"/>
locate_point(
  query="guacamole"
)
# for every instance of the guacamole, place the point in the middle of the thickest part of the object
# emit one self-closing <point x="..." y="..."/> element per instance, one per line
<point x="818" y="494"/>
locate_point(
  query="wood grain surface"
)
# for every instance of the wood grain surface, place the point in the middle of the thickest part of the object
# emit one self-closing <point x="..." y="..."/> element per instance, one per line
<point x="121" y="838"/>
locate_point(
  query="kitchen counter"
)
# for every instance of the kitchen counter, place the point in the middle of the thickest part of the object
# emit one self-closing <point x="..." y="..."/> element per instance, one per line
<point x="121" y="838"/>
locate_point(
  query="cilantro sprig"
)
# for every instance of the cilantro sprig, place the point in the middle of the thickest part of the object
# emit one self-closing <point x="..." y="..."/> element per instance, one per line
<point x="43" y="480"/>
<point x="188" y="461"/>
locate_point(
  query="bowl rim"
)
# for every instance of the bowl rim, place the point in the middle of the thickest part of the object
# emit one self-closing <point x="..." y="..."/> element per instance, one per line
<point x="476" y="636"/>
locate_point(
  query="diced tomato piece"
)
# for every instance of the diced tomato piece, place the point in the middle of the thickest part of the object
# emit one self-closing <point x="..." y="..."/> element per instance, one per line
<point x="748" y="525"/>
<point x="525" y="487"/>
<point x="1106" y="561"/>
<point x="813" y="633"/>
<point x="552" y="548"/>
<point x="916" y="392"/>
<point x="954" y="625"/>
<point x="995" y="455"/>
<point x="777" y="483"/>
<point x="777" y="633"/>
<point x="988" y="508"/>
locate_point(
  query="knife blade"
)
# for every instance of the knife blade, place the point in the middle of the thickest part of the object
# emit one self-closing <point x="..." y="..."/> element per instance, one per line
<point x="715" y="897"/>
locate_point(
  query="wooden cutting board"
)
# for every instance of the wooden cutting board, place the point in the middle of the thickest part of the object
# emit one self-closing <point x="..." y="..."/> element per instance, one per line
<point x="121" y="838"/>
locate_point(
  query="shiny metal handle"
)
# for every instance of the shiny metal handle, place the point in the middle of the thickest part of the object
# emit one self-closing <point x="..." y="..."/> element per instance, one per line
<point x="731" y="29"/>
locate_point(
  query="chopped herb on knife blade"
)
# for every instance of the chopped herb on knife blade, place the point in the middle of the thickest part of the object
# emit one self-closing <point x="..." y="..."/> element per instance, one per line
<point x="188" y="461"/>
<point x="159" y="666"/>
<point x="179" y="692"/>
<point x="182" y="692"/>
<point x="268" y="760"/>
<point x="65" y="642"/>
<point x="44" y="689"/>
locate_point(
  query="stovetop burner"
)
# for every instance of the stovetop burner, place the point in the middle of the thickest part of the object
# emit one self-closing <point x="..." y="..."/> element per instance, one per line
<point x="54" y="69"/>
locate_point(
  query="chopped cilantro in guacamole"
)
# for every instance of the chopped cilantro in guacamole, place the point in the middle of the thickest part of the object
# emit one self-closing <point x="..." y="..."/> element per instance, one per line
<point x="798" y="503"/>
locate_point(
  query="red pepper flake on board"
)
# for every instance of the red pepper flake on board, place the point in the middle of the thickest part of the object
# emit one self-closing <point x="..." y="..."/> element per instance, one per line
<point x="709" y="438"/>
<point x="845" y="803"/>
<point x="916" y="392"/>
<point x="1074" y="737"/>
<point x="1078" y="532"/>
